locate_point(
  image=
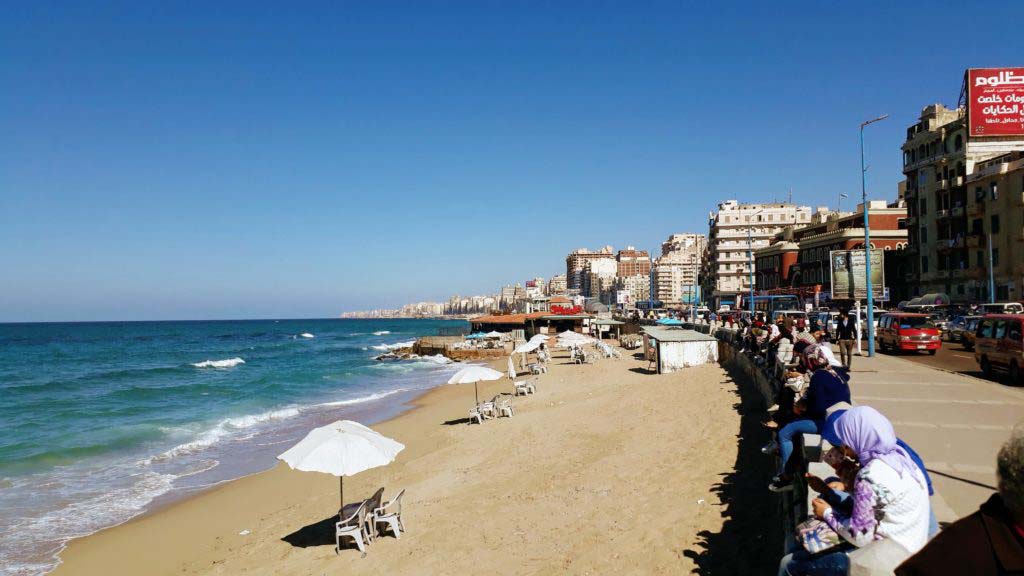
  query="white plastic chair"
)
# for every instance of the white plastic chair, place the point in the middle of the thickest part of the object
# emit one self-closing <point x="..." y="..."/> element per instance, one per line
<point x="504" y="407"/>
<point x="352" y="527"/>
<point x="392" y="519"/>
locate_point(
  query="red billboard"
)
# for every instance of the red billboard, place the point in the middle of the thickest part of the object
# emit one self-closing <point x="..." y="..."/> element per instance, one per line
<point x="995" y="97"/>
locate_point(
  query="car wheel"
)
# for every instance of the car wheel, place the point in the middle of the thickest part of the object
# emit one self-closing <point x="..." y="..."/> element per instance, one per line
<point x="1015" y="375"/>
<point x="932" y="352"/>
<point x="986" y="367"/>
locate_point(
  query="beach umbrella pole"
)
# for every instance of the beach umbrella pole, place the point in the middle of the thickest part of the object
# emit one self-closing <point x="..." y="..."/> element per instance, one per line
<point x="476" y="390"/>
<point x="341" y="487"/>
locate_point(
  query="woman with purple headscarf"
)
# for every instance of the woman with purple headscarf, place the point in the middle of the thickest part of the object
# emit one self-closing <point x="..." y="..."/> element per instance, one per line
<point x="890" y="497"/>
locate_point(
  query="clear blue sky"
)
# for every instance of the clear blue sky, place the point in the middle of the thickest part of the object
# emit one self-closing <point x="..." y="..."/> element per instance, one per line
<point x="244" y="160"/>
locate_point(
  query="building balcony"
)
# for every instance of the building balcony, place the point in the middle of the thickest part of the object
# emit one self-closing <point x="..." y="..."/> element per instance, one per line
<point x="975" y="241"/>
<point x="941" y="214"/>
<point x="942" y="184"/>
<point x="956" y="211"/>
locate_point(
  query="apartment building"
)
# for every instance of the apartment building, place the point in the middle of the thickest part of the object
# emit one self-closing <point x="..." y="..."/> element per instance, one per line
<point x="959" y="190"/>
<point x="638" y="286"/>
<point x="798" y="258"/>
<point x="734" y="230"/>
<point x="557" y="285"/>
<point x="599" y="278"/>
<point x="632" y="262"/>
<point x="677" y="271"/>
<point x="577" y="260"/>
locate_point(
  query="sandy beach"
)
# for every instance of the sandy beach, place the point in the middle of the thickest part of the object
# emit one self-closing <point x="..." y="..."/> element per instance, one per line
<point x="607" y="469"/>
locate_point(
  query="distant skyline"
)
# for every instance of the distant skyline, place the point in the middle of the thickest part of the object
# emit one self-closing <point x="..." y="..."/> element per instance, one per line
<point x="237" y="160"/>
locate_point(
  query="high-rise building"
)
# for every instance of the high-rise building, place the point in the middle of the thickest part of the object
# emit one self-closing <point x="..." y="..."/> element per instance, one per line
<point x="959" y="189"/>
<point x="676" y="272"/>
<point x="577" y="259"/>
<point x="632" y="262"/>
<point x="734" y="231"/>
<point x="599" y="278"/>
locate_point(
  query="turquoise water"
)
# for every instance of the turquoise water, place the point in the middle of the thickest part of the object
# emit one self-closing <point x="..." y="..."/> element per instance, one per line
<point x="100" y="420"/>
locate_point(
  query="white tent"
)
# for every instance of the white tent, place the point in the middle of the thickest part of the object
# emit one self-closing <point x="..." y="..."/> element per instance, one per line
<point x="494" y="334"/>
<point x="342" y="448"/>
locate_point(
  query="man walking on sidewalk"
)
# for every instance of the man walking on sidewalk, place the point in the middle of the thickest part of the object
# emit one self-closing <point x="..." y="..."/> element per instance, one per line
<point x="846" y="333"/>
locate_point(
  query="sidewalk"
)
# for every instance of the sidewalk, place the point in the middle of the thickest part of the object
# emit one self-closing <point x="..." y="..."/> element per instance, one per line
<point x="956" y="423"/>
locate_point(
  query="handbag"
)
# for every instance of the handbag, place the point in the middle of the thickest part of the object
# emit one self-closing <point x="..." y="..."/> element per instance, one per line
<point x="816" y="536"/>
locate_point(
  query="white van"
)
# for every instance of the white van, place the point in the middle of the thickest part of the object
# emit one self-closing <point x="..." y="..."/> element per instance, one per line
<point x="1001" y="308"/>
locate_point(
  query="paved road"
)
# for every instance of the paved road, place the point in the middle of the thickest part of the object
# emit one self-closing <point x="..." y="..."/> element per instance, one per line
<point x="957" y="423"/>
<point x="952" y="357"/>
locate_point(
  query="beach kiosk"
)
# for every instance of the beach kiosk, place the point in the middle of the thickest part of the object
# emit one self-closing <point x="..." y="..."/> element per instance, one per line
<point x="673" y="349"/>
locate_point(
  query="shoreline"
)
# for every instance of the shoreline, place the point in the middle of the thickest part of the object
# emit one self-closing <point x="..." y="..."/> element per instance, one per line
<point x="595" y="443"/>
<point x="181" y="495"/>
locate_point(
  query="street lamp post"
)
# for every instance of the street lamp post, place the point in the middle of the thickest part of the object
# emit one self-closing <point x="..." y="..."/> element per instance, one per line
<point x="867" y="237"/>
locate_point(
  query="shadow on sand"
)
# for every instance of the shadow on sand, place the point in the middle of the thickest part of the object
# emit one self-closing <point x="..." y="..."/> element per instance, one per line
<point x="750" y="541"/>
<point x="317" y="534"/>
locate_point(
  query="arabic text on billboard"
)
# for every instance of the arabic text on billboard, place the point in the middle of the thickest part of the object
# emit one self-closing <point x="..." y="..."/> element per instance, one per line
<point x="849" y="281"/>
<point x="996" y="100"/>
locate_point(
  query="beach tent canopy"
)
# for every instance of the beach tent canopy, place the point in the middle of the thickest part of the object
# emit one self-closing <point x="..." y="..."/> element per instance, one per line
<point x="342" y="448"/>
<point x="475" y="336"/>
<point x="493" y="334"/>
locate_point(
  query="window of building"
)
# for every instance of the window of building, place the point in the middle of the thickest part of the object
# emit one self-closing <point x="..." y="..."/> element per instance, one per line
<point x="980" y="258"/>
<point x="994" y="190"/>
<point x="977" y="226"/>
<point x="995" y="257"/>
<point x="958" y="142"/>
<point x="901" y="224"/>
<point x="924" y="234"/>
<point x="994" y="227"/>
<point x="924" y="207"/>
<point x="924" y="264"/>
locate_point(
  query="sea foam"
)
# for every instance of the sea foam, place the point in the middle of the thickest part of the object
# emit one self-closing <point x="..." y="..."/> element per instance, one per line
<point x="228" y="363"/>
<point x="307" y="335"/>
<point x="223" y="429"/>
<point x="381" y="332"/>
<point x="395" y="346"/>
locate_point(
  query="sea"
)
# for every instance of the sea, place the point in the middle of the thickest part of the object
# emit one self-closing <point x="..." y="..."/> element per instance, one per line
<point x="100" y="422"/>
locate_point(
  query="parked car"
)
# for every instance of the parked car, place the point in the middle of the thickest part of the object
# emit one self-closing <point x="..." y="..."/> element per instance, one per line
<point x="957" y="328"/>
<point x="970" y="329"/>
<point x="941" y="322"/>
<point x="907" y="332"/>
<point x="999" y="345"/>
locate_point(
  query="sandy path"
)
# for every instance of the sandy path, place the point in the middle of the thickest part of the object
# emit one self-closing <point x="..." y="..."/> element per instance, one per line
<point x="606" y="469"/>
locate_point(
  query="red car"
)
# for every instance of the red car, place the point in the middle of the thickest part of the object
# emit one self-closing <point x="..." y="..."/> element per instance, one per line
<point x="909" y="332"/>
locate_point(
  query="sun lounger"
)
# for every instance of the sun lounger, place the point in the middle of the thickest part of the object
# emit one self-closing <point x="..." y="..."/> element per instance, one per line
<point x="390" y="515"/>
<point x="353" y="527"/>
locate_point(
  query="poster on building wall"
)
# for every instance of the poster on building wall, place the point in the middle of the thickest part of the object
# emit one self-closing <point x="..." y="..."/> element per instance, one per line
<point x="849" y="281"/>
<point x="995" y="100"/>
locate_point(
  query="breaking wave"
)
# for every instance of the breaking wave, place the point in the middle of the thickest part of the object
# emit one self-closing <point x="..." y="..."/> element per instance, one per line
<point x="228" y="363"/>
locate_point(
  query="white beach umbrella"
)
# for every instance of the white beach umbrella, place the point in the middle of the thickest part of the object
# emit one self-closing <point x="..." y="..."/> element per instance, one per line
<point x="493" y="334"/>
<point x="474" y="374"/>
<point x="527" y="347"/>
<point x="342" y="448"/>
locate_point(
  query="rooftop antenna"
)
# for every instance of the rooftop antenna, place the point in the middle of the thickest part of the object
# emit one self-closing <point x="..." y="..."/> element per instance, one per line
<point x="790" y="200"/>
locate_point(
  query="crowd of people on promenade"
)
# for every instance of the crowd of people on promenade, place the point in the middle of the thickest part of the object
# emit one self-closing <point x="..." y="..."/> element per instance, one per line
<point x="873" y="514"/>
